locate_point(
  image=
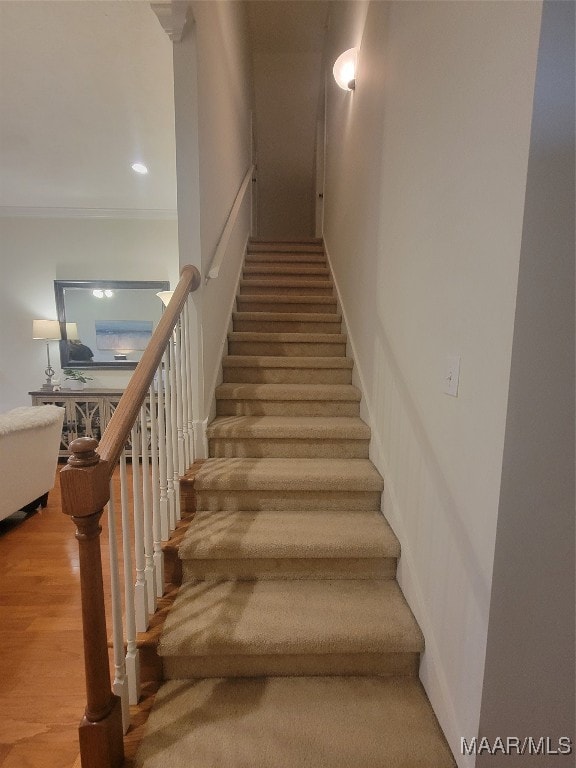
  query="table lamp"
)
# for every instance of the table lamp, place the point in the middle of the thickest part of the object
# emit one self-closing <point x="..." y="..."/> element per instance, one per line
<point x="47" y="330"/>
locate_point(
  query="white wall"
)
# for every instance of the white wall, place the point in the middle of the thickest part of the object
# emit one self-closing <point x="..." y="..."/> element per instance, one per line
<point x="213" y="149"/>
<point x="36" y="251"/>
<point x="530" y="651"/>
<point x="424" y="198"/>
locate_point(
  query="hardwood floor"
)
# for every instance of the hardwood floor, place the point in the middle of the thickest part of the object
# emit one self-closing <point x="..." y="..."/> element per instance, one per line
<point x="42" y="695"/>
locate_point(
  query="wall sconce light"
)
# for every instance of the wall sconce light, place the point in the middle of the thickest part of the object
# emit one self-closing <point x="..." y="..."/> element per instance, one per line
<point x="344" y="69"/>
<point x="47" y="330"/>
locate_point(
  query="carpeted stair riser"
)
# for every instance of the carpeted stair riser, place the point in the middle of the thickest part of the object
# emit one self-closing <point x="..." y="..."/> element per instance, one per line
<point x="243" y="569"/>
<point x="235" y="399"/>
<point x="284" y="248"/>
<point x="295" y="392"/>
<point x="307" y="259"/>
<point x="252" y="369"/>
<point x="290" y="287"/>
<point x="239" y="344"/>
<point x="322" y="664"/>
<point x="240" y="407"/>
<point x="216" y="500"/>
<point x="288" y="448"/>
<point x="269" y="270"/>
<point x="266" y="322"/>
<point x="283" y="303"/>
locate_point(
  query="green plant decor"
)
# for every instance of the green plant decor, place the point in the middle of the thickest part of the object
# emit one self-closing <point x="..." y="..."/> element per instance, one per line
<point x="72" y="373"/>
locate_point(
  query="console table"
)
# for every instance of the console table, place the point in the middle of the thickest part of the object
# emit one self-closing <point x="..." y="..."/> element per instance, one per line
<point x="87" y="411"/>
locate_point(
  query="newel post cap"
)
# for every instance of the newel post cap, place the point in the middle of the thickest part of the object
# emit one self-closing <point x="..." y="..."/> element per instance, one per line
<point x="83" y="452"/>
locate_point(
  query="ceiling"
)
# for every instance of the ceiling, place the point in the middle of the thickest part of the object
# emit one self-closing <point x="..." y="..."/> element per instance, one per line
<point x="86" y="88"/>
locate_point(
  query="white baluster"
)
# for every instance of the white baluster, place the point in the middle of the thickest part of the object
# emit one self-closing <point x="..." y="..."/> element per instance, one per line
<point x="132" y="652"/>
<point x="162" y="520"/>
<point x="175" y="512"/>
<point x="120" y="684"/>
<point x="169" y="523"/>
<point x="188" y="381"/>
<point x="179" y="402"/>
<point x="140" y="596"/>
<point x="155" y="438"/>
<point x="184" y="400"/>
<point x="147" y="514"/>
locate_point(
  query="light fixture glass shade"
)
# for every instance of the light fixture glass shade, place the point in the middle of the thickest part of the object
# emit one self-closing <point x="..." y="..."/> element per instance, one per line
<point x="344" y="69"/>
<point x="46" y="329"/>
<point x="165" y="297"/>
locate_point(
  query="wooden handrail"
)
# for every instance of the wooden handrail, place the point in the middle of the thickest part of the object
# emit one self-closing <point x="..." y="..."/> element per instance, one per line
<point x="219" y="253"/>
<point x="85" y="484"/>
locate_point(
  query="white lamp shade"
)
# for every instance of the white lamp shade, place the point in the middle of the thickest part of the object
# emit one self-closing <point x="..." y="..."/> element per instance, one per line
<point x="165" y="297"/>
<point x="344" y="69"/>
<point x="49" y="330"/>
<point x="72" y="332"/>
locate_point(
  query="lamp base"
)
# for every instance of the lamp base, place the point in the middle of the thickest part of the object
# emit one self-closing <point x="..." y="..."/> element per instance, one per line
<point x="47" y="387"/>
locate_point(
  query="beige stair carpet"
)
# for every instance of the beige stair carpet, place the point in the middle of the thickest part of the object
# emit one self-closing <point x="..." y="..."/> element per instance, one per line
<point x="354" y="722"/>
<point x="290" y="644"/>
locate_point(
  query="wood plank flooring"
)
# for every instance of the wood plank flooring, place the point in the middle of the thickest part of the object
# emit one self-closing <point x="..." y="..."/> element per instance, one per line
<point x="42" y="694"/>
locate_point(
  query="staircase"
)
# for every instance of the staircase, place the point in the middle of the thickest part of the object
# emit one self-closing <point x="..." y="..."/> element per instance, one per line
<point x="290" y="644"/>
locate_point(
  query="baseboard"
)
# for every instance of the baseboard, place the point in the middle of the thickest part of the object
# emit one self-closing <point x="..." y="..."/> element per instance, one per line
<point x="435" y="682"/>
<point x="357" y="377"/>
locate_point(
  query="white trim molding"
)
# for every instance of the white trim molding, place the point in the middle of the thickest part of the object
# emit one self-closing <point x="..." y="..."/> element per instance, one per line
<point x="172" y="15"/>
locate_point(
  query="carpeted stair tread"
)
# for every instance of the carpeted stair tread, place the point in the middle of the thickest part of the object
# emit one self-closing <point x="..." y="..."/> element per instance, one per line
<point x="271" y="361"/>
<point x="287" y="322"/>
<point x="289" y="298"/>
<point x="278" y="284"/>
<point x="283" y="269"/>
<point x="287" y="369"/>
<point x="241" y="391"/>
<point x="306" y="722"/>
<point x="291" y="317"/>
<point x="286" y="258"/>
<point x="300" y="427"/>
<point x="289" y="474"/>
<point x="286" y="338"/>
<point x="289" y="534"/>
<point x="292" y="617"/>
<point x="273" y="247"/>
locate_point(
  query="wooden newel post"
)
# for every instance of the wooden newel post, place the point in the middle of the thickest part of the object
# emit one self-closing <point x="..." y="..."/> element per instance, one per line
<point x="85" y="492"/>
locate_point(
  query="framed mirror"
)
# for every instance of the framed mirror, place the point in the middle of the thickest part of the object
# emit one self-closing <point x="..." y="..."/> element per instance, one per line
<point x="106" y="323"/>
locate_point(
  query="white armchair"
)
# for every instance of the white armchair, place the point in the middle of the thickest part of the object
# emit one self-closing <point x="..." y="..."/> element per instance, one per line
<point x="29" y="445"/>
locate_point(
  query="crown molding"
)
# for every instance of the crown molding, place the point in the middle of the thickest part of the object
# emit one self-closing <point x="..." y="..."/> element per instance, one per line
<point x="172" y="15"/>
<point x="43" y="212"/>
